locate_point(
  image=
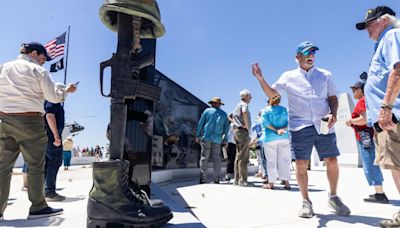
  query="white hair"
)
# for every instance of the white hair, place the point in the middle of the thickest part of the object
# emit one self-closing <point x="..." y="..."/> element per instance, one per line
<point x="394" y="21"/>
<point x="244" y="93"/>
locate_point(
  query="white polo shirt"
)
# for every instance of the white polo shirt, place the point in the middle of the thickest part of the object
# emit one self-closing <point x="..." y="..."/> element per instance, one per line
<point x="308" y="94"/>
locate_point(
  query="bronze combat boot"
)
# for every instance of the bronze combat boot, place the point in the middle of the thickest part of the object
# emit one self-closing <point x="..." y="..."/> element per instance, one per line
<point x="112" y="203"/>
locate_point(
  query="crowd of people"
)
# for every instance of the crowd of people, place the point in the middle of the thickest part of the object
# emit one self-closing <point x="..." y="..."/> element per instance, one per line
<point x="97" y="151"/>
<point x="285" y="134"/>
<point x="32" y="118"/>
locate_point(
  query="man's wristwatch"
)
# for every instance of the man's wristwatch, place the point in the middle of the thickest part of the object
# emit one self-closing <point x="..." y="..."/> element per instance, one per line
<point x="386" y="106"/>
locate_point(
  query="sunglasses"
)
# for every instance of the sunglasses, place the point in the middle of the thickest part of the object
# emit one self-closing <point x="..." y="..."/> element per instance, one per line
<point x="308" y="52"/>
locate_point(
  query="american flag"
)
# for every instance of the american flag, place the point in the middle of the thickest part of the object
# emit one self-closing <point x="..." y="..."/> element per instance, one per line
<point x="56" y="46"/>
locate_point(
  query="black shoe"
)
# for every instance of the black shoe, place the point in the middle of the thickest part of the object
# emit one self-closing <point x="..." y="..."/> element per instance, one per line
<point x="54" y="197"/>
<point x="377" y="198"/>
<point x="216" y="182"/>
<point x="1" y="217"/>
<point x="201" y="181"/>
<point x="45" y="212"/>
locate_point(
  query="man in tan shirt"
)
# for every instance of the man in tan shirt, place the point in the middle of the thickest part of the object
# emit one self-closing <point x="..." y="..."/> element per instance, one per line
<point x="24" y="85"/>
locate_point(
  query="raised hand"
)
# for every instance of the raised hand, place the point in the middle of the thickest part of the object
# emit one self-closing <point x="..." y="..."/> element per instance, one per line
<point x="256" y="70"/>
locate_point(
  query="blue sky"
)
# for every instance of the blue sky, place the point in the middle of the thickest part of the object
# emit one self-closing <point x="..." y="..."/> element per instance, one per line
<point x="208" y="47"/>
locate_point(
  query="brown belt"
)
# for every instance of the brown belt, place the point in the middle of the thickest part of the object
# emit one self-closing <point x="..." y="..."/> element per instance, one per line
<point x="37" y="114"/>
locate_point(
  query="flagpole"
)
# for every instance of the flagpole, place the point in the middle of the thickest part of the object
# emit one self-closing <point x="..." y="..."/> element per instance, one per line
<point x="66" y="57"/>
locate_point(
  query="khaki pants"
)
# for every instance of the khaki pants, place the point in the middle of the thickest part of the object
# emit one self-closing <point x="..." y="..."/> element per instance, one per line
<point x="388" y="149"/>
<point x="242" y="154"/>
<point x="25" y="134"/>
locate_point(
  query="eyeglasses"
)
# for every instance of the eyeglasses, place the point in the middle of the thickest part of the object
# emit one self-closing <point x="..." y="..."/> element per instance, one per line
<point x="308" y="52"/>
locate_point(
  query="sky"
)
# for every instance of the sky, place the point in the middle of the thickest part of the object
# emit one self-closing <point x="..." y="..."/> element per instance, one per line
<point x="208" y="47"/>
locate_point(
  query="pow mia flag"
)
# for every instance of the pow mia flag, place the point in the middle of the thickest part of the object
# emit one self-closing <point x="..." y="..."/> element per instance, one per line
<point x="59" y="65"/>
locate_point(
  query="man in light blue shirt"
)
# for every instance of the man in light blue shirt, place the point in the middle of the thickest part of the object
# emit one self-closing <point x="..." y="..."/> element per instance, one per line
<point x="382" y="91"/>
<point x="312" y="96"/>
<point x="212" y="131"/>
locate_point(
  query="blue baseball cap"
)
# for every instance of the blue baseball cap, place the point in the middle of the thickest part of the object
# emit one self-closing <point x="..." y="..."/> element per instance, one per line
<point x="305" y="46"/>
<point x="37" y="47"/>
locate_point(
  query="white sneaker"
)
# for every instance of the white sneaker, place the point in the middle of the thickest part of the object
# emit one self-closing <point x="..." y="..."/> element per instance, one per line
<point x="306" y="210"/>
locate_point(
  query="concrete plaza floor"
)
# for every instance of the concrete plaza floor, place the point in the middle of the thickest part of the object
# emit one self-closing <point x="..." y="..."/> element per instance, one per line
<point x="221" y="205"/>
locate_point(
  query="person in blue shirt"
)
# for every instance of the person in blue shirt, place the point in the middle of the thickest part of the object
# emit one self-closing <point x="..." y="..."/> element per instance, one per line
<point x="212" y="131"/>
<point x="274" y="122"/>
<point x="54" y="122"/>
<point x="262" y="162"/>
<point x="231" y="154"/>
<point x="382" y="91"/>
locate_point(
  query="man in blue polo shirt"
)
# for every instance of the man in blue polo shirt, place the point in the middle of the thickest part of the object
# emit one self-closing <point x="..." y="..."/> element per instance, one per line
<point x="382" y="91"/>
<point x="212" y="131"/>
<point x="54" y="119"/>
<point x="312" y="97"/>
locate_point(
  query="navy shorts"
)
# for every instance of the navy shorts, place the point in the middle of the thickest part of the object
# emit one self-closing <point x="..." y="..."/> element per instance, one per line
<point x="304" y="140"/>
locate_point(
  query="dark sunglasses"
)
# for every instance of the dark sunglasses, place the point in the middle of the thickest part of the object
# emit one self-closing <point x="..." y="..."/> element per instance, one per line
<point x="308" y="52"/>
